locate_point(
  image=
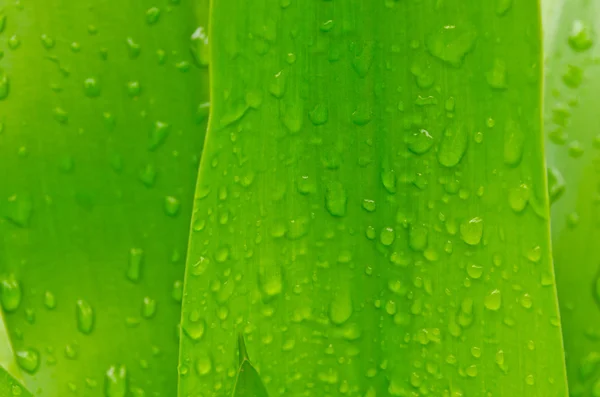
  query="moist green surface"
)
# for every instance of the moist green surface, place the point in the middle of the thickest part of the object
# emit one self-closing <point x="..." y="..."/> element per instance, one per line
<point x="371" y="210"/>
<point x="100" y="137"/>
<point x="571" y="124"/>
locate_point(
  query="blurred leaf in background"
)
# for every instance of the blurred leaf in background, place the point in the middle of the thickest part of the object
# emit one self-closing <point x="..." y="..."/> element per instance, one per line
<point x="572" y="114"/>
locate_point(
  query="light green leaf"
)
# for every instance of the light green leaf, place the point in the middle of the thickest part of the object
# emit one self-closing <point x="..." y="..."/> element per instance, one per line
<point x="572" y="143"/>
<point x="102" y="119"/>
<point x="371" y="206"/>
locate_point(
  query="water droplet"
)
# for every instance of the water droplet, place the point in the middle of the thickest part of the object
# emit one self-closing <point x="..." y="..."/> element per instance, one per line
<point x="148" y="175"/>
<point x="526" y="301"/>
<point x="115" y="381"/>
<point x="2" y="22"/>
<point x="363" y="59"/>
<point x="277" y="86"/>
<point x="573" y="76"/>
<point x="194" y="326"/>
<point x="388" y="178"/>
<point x="85" y="317"/>
<point x="362" y="115"/>
<point x="292" y="118"/>
<point x="28" y="360"/>
<point x="336" y="199"/>
<point x="340" y="309"/>
<point x="319" y="115"/>
<point x="369" y="205"/>
<point x="270" y="280"/>
<point x="387" y="236"/>
<point x="91" y="87"/>
<point x="471" y="231"/>
<point x="134" y="270"/>
<point x="49" y="300"/>
<point x="158" y="135"/>
<point x="4" y="85"/>
<point x="14" y="42"/>
<point x="514" y="140"/>
<point x="200" y="47"/>
<point x="451" y="43"/>
<point x="493" y="300"/>
<point x="152" y="15"/>
<point x="61" y="115"/>
<point x="420" y="142"/>
<point x="177" y="292"/>
<point x="518" y="197"/>
<point x="11" y="293"/>
<point x="203" y="364"/>
<point x="581" y="36"/>
<point x="556" y="184"/>
<point x="172" y="206"/>
<point x="453" y="147"/>
<point x="134" y="89"/>
<point x="47" y="41"/>
<point x="418" y="237"/>
<point x="496" y="77"/>
<point x="133" y="48"/>
<point x="474" y="271"/>
<point x="148" y="307"/>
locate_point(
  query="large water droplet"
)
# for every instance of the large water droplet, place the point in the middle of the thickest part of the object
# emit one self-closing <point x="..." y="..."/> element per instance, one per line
<point x="420" y="142"/>
<point x="28" y="360"/>
<point x="200" y="47"/>
<point x="451" y="43"/>
<point x="493" y="300"/>
<point x="581" y="36"/>
<point x="453" y="146"/>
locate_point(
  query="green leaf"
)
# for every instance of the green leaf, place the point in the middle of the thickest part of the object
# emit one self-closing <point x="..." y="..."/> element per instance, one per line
<point x="572" y="142"/>
<point x="248" y="382"/>
<point x="371" y="208"/>
<point x="102" y="119"/>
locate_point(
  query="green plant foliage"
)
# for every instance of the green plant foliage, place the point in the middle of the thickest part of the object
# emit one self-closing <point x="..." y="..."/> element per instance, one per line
<point x="248" y="382"/>
<point x="102" y="108"/>
<point x="573" y="140"/>
<point x="371" y="208"/>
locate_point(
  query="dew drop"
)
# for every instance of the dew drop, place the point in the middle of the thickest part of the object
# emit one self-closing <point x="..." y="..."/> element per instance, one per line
<point x="28" y="360"/>
<point x="493" y="300"/>
<point x="580" y="37"/>
<point x="387" y="236"/>
<point x="451" y="44"/>
<point x="340" y="308"/>
<point x="319" y="115"/>
<point x="172" y="206"/>
<point x="134" y="270"/>
<point x="420" y="142"/>
<point x="4" y="85"/>
<point x="335" y="199"/>
<point x="152" y="15"/>
<point x="85" y="317"/>
<point x="49" y="300"/>
<point x="199" y="47"/>
<point x="453" y="147"/>
<point x="471" y="231"/>
<point x="157" y="135"/>
<point x="194" y="326"/>
<point x="133" y="48"/>
<point x="11" y="293"/>
<point x="115" y="381"/>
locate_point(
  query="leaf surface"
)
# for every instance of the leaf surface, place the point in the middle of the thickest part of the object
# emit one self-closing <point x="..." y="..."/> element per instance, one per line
<point x="102" y="109"/>
<point x="371" y="208"/>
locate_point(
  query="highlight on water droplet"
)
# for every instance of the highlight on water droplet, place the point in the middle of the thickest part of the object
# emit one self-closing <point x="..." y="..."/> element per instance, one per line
<point x="493" y="300"/>
<point x="471" y="231"/>
<point x="199" y="47"/>
<point x="115" y="381"/>
<point x="28" y="360"/>
<point x="420" y="142"/>
<point x="581" y="36"/>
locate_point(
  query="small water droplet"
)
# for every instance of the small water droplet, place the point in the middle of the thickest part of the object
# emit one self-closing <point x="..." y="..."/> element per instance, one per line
<point x="14" y="42"/>
<point x="518" y="197"/>
<point x="336" y="199"/>
<point x="133" y="48"/>
<point x="453" y="147"/>
<point x="496" y="76"/>
<point x="387" y="236"/>
<point x="502" y="7"/>
<point x="340" y="309"/>
<point x="152" y="15"/>
<point x="157" y="135"/>
<point x="91" y="87"/>
<point x="172" y="206"/>
<point x="420" y="142"/>
<point x="177" y="292"/>
<point x="11" y="293"/>
<point x="319" y="115"/>
<point x="115" y="381"/>
<point x="148" y="307"/>
<point x="4" y="85"/>
<point x="573" y="76"/>
<point x="203" y="364"/>
<point x="556" y="184"/>
<point x="136" y="258"/>
<point x="49" y="300"/>
<point x="85" y="317"/>
<point x="362" y="115"/>
<point x="47" y="41"/>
